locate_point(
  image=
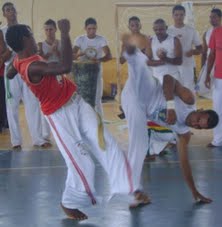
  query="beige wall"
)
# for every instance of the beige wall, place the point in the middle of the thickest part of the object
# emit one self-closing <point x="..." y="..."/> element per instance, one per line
<point x="36" y="12"/>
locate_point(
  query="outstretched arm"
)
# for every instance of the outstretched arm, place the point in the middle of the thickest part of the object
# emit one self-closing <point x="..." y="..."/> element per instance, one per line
<point x="39" y="69"/>
<point x="210" y="63"/>
<point x="182" y="144"/>
<point x="204" y="52"/>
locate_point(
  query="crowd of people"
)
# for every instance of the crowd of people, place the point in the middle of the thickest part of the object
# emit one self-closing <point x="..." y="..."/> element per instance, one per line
<point x="160" y="89"/>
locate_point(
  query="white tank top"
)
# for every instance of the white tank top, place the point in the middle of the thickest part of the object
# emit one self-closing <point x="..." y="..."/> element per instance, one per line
<point x="46" y="48"/>
<point x="168" y="46"/>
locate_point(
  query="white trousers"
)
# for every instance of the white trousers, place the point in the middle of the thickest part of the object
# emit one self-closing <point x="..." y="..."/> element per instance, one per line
<point x="187" y="76"/>
<point x="99" y="93"/>
<point x="75" y="129"/>
<point x="20" y="91"/>
<point x="217" y="94"/>
<point x="200" y="87"/>
<point x="137" y="130"/>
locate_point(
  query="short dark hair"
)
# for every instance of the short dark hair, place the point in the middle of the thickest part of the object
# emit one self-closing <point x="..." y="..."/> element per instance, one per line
<point x="213" y="118"/>
<point x="51" y="22"/>
<point x="178" y="7"/>
<point x="217" y="11"/>
<point x="89" y="21"/>
<point x="134" y="18"/>
<point x="15" y="34"/>
<point x="159" y="21"/>
<point x="5" y="5"/>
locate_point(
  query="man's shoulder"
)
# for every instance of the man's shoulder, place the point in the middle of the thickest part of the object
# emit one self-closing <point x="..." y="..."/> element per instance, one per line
<point x="81" y="37"/>
<point x="218" y="30"/>
<point x="100" y="37"/>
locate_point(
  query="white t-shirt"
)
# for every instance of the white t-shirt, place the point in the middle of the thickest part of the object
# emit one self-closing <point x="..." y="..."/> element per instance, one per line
<point x="168" y="46"/>
<point x="188" y="37"/>
<point x="83" y="42"/>
<point x="149" y="93"/>
<point x="46" y="48"/>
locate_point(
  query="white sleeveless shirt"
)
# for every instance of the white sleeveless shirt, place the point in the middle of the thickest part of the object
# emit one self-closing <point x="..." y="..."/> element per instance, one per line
<point x="46" y="48"/>
<point x="169" y="47"/>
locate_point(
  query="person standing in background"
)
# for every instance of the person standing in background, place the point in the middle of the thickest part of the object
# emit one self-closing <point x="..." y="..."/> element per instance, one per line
<point x="99" y="46"/>
<point x="188" y="37"/>
<point x="215" y="60"/>
<point x="17" y="90"/>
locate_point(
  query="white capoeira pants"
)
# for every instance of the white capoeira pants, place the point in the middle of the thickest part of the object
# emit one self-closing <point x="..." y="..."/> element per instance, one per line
<point x="137" y="130"/>
<point x="99" y="93"/>
<point x="217" y="94"/>
<point x="200" y="87"/>
<point x="75" y="129"/>
<point x="187" y="76"/>
<point x="18" y="91"/>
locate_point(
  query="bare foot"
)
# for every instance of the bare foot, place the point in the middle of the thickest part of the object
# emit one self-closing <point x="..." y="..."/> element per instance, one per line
<point x="149" y="158"/>
<point x="141" y="199"/>
<point x="74" y="214"/>
<point x="17" y="148"/>
<point x="46" y="145"/>
<point x="210" y="145"/>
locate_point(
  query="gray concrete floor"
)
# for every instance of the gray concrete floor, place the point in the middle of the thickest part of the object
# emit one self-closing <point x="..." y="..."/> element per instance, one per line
<point x="31" y="185"/>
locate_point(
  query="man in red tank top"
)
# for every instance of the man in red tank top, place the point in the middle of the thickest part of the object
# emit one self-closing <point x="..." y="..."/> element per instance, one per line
<point x="75" y="125"/>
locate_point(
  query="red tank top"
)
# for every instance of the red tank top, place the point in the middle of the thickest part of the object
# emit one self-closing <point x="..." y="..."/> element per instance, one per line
<point x="52" y="92"/>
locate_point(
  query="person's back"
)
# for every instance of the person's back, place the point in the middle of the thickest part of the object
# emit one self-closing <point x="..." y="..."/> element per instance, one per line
<point x="51" y="92"/>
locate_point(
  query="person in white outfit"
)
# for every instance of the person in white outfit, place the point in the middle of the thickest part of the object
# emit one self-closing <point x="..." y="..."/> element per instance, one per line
<point x="164" y="52"/>
<point x="102" y="54"/>
<point x="191" y="45"/>
<point x="215" y="21"/>
<point x="74" y="124"/>
<point x="164" y="55"/>
<point x="214" y="60"/>
<point x="144" y="98"/>
<point x="17" y="90"/>
<point x="50" y="50"/>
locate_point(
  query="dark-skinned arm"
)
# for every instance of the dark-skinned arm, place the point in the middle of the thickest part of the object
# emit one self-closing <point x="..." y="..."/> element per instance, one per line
<point x="210" y="64"/>
<point x="197" y="51"/>
<point x="107" y="54"/>
<point x="204" y="52"/>
<point x="39" y="69"/>
<point x="182" y="145"/>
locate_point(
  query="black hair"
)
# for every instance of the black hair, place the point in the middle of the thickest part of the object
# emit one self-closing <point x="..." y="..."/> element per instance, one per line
<point x="178" y="7"/>
<point x="213" y="118"/>
<point x="217" y="11"/>
<point x="51" y="22"/>
<point x="5" y="5"/>
<point x="89" y="21"/>
<point x="15" y="34"/>
<point x="159" y="21"/>
<point x="134" y="18"/>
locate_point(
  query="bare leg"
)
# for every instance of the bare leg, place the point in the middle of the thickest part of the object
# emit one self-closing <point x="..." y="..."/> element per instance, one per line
<point x="184" y="93"/>
<point x="172" y="87"/>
